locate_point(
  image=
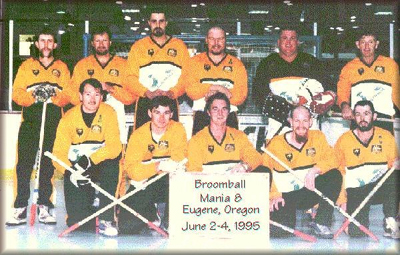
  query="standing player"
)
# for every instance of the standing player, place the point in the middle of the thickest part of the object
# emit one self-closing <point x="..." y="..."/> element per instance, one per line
<point x="87" y="137"/>
<point x="110" y="71"/>
<point x="215" y="71"/>
<point x="155" y="65"/>
<point x="309" y="155"/>
<point x="155" y="147"/>
<point x="218" y="148"/>
<point x="39" y="80"/>
<point x="365" y="154"/>
<point x="287" y="79"/>
<point x="370" y="77"/>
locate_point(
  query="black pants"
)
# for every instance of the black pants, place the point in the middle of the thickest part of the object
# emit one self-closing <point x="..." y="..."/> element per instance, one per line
<point x="143" y="203"/>
<point x="79" y="201"/>
<point x="28" y="145"/>
<point x="387" y="195"/>
<point x="141" y="115"/>
<point x="329" y="184"/>
<point x="201" y="120"/>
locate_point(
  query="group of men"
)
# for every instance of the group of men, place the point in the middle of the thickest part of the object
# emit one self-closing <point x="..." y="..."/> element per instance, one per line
<point x="290" y="87"/>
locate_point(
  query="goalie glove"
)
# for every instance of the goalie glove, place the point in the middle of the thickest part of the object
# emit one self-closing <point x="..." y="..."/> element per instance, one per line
<point x="43" y="92"/>
<point x="76" y="178"/>
<point x="322" y="102"/>
<point x="84" y="165"/>
<point x="277" y="108"/>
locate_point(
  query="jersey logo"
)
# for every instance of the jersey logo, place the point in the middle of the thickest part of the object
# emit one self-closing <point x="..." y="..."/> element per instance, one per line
<point x="79" y="131"/>
<point x="96" y="129"/>
<point x="211" y="148"/>
<point x="311" y="152"/>
<point x="228" y="69"/>
<point x="113" y="72"/>
<point x="379" y="69"/>
<point x="289" y="156"/>
<point x="150" y="147"/>
<point x="230" y="62"/>
<point x="229" y="147"/>
<point x="163" y="145"/>
<point x="90" y="72"/>
<point x="356" y="152"/>
<point x="56" y="73"/>
<point x="171" y="52"/>
<point x="35" y="72"/>
<point x="150" y="52"/>
<point x="360" y="71"/>
<point x="207" y="67"/>
<point x="376" y="148"/>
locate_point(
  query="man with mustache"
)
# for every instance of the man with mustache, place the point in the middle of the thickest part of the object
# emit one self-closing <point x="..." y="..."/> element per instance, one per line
<point x="365" y="154"/>
<point x="39" y="79"/>
<point x="309" y="155"/>
<point x="215" y="71"/>
<point x="110" y="70"/>
<point x="155" y="67"/>
<point x="370" y="76"/>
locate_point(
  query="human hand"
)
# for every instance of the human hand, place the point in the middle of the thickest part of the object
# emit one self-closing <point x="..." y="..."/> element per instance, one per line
<point x="274" y="203"/>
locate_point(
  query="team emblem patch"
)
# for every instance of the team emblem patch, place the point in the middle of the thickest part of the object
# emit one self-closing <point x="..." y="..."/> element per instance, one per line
<point x="289" y="156"/>
<point x="35" y="72"/>
<point x="360" y="71"/>
<point x="356" y="152"/>
<point x="56" y="73"/>
<point x="150" y="147"/>
<point x="229" y="147"/>
<point x="379" y="69"/>
<point x="150" y="52"/>
<point x="376" y="148"/>
<point x="228" y="69"/>
<point x="113" y="72"/>
<point x="207" y="67"/>
<point x="171" y="52"/>
<point x="90" y="72"/>
<point x="211" y="148"/>
<point x="311" y="152"/>
<point x="96" y="129"/>
<point x="230" y="62"/>
<point x="79" y="131"/>
<point x="163" y="145"/>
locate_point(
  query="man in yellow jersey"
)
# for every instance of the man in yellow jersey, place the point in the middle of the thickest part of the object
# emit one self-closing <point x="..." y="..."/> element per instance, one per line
<point x="155" y="67"/>
<point x="38" y="80"/>
<point x="309" y="155"/>
<point x="87" y="136"/>
<point x="364" y="155"/>
<point x="215" y="71"/>
<point x="370" y="76"/>
<point x="110" y="70"/>
<point x="155" y="147"/>
<point x="218" y="148"/>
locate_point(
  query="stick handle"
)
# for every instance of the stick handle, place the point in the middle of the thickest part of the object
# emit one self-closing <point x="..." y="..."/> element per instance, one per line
<point x="298" y="233"/>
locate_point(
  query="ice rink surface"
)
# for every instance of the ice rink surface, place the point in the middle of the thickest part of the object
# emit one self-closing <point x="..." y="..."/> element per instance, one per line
<point x="42" y="238"/>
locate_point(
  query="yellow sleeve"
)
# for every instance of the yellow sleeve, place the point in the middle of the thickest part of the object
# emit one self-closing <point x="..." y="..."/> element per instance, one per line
<point x="248" y="153"/>
<point x="195" y="155"/>
<point x="62" y="143"/>
<point x="121" y="91"/>
<point x="132" y="75"/>
<point x="269" y="162"/>
<point x="395" y="85"/>
<point x="63" y="97"/>
<point x="179" y="146"/>
<point x="179" y="88"/>
<point x="326" y="159"/>
<point x="113" y="146"/>
<point x="78" y="76"/>
<point x="239" y="90"/>
<point x="194" y="88"/>
<point x="344" y="86"/>
<point x="19" y="94"/>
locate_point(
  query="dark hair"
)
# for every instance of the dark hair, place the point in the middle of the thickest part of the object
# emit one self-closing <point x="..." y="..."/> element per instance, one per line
<point x="364" y="103"/>
<point x="94" y="83"/>
<point x="215" y="27"/>
<point x="99" y="30"/>
<point x="155" y="9"/>
<point x="290" y="115"/>
<point x="290" y="28"/>
<point x="366" y="32"/>
<point x="163" y="101"/>
<point x="220" y="96"/>
<point x="46" y="31"/>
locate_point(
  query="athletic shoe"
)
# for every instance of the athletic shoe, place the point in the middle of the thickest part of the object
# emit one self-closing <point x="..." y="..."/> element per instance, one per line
<point x="391" y="227"/>
<point x="321" y="231"/>
<point x="107" y="228"/>
<point x="18" y="218"/>
<point x="46" y="216"/>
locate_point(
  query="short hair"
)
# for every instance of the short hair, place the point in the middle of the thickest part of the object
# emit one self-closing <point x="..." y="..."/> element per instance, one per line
<point x="366" y="32"/>
<point x="163" y="101"/>
<point x="46" y="31"/>
<point x="290" y="28"/>
<point x="94" y="83"/>
<point x="291" y="112"/>
<point x="99" y="30"/>
<point x="215" y="27"/>
<point x="219" y="96"/>
<point x="155" y="9"/>
<point x="364" y="103"/>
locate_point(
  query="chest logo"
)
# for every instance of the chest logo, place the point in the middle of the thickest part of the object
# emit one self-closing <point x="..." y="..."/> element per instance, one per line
<point x="360" y="71"/>
<point x="211" y="148"/>
<point x="150" y="52"/>
<point x="163" y="145"/>
<point x="207" y="67"/>
<point x="35" y="72"/>
<point x="289" y="156"/>
<point x="230" y="62"/>
<point x="311" y="152"/>
<point x="228" y="69"/>
<point x="380" y="69"/>
<point x="113" y="72"/>
<point x="90" y="72"/>
<point x="56" y="73"/>
<point x="79" y="131"/>
<point x="96" y="129"/>
<point x="172" y="52"/>
<point x="356" y="152"/>
<point x="376" y="148"/>
<point x="230" y="147"/>
<point x="151" y="147"/>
